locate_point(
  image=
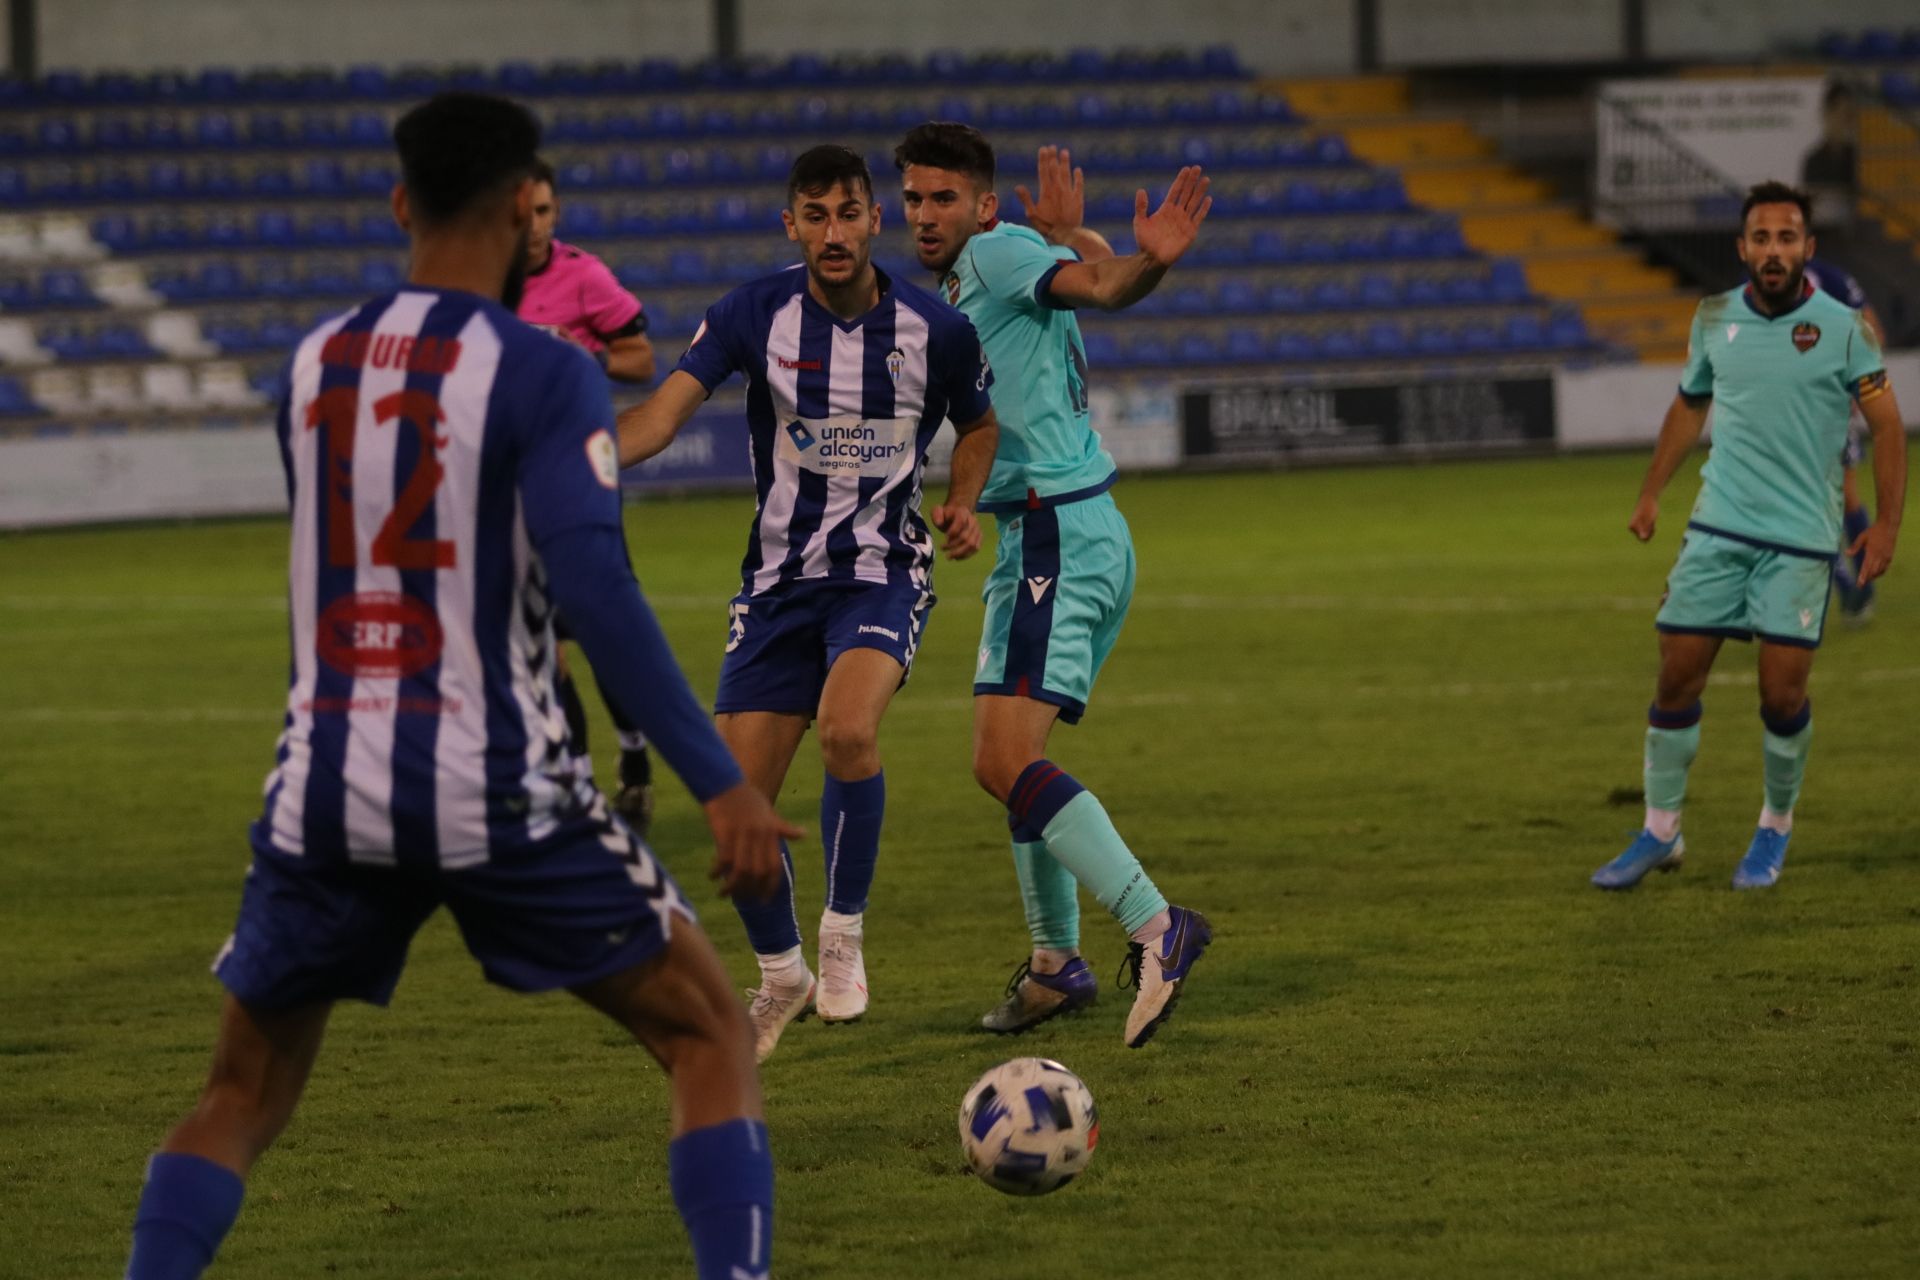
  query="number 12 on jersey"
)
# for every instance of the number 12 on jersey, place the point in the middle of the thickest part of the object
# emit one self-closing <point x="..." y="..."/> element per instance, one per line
<point x="338" y="409"/>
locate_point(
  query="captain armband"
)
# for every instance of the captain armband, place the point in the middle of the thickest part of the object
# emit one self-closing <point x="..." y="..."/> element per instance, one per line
<point x="1871" y="387"/>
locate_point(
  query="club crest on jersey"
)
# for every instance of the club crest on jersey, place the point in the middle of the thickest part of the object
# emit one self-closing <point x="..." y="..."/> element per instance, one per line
<point x="953" y="287"/>
<point x="378" y="635"/>
<point x="604" y="457"/>
<point x="896" y="363"/>
<point x="1804" y="336"/>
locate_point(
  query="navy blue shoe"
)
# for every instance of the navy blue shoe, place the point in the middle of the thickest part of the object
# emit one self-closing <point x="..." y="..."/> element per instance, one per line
<point x="1034" y="998"/>
<point x="1648" y="852"/>
<point x="1760" y="869"/>
<point x="1160" y="974"/>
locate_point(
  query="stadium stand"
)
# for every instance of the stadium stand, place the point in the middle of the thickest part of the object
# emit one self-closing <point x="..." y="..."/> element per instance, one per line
<point x="206" y="220"/>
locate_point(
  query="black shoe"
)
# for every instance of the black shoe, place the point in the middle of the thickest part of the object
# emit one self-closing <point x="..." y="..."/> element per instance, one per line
<point x="635" y="799"/>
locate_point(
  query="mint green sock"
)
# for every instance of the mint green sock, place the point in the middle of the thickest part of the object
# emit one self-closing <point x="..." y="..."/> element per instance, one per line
<point x="1786" y="765"/>
<point x="1670" y="754"/>
<point x="1050" y="896"/>
<point x="1082" y="838"/>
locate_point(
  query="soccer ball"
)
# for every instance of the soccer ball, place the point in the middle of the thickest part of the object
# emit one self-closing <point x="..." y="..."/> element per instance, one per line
<point x="1028" y="1126"/>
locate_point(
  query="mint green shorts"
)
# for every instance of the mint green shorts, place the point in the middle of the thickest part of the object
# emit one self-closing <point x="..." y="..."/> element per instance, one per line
<point x="1726" y="584"/>
<point x="1058" y="593"/>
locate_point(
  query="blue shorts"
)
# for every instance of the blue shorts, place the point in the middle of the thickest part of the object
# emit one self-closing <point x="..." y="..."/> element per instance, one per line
<point x="1057" y="596"/>
<point x="587" y="903"/>
<point x="781" y="644"/>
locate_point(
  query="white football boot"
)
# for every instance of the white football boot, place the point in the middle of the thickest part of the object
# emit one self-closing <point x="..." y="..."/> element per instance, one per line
<point x="773" y="1005"/>
<point x="843" y="974"/>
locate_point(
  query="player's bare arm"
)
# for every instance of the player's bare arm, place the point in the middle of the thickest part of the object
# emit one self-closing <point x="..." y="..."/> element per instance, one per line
<point x="1059" y="212"/>
<point x="746" y="841"/>
<point x="630" y="359"/>
<point x="1882" y="412"/>
<point x="1163" y="237"/>
<point x="1685" y="419"/>
<point x="650" y="426"/>
<point x="973" y="451"/>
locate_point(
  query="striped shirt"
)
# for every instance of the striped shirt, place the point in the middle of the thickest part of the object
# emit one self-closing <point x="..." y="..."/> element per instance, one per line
<point x="431" y="442"/>
<point x="841" y="413"/>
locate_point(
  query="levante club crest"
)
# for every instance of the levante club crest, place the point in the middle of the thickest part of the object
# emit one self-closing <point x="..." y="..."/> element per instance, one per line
<point x="1805" y="335"/>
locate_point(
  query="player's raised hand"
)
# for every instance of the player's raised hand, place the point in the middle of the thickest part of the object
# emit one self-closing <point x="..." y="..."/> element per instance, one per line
<point x="746" y="842"/>
<point x="1061" y="207"/>
<point x="1646" y="513"/>
<point x="961" y="528"/>
<point x="1877" y="543"/>
<point x="1173" y="227"/>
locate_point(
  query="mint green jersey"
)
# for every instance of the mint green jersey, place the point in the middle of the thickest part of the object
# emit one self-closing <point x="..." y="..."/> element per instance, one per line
<point x="1782" y="389"/>
<point x="1048" y="446"/>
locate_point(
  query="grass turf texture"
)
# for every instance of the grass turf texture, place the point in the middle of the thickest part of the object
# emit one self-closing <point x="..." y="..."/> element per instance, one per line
<point x="1380" y="725"/>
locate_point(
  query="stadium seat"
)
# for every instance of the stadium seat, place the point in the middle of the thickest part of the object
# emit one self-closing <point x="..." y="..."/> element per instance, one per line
<point x="19" y="347"/>
<point x="1525" y="332"/>
<point x="222" y="384"/>
<point x="14" y="400"/>
<point x="1293" y="346"/>
<point x="177" y="334"/>
<point x="1386" y="338"/>
<point x="1341" y="344"/>
<point x="168" y="388"/>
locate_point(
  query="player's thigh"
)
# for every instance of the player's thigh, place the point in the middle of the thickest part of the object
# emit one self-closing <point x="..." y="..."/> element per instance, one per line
<point x="776" y="657"/>
<point x="589" y="902"/>
<point x="1787" y="598"/>
<point x="1707" y="587"/>
<point x="763" y="743"/>
<point x="860" y="685"/>
<point x="310" y="932"/>
<point x="682" y="991"/>
<point x="1106" y="530"/>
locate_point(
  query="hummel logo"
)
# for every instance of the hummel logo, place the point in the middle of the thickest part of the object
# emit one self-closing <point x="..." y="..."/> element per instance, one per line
<point x="1733" y="331"/>
<point x="1039" y="587"/>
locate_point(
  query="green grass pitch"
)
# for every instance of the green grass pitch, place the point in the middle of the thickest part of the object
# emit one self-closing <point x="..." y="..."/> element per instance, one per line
<point x="1379" y="724"/>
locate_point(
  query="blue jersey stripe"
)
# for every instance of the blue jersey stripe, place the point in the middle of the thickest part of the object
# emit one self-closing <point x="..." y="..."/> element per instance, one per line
<point x="324" y="809"/>
<point x="876" y="401"/>
<point x="760" y="443"/>
<point x="812" y="385"/>
<point x="495" y="598"/>
<point x="416" y="725"/>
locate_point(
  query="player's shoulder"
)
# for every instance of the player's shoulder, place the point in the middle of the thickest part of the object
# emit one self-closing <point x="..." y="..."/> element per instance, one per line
<point x="942" y="318"/>
<point x="763" y="295"/>
<point x="1006" y="242"/>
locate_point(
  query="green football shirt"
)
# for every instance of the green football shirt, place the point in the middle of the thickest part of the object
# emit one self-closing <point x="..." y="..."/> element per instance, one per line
<point x="1047" y="441"/>
<point x="1782" y="389"/>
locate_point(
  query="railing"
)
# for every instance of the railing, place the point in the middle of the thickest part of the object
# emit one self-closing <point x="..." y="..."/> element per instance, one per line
<point x="1650" y="187"/>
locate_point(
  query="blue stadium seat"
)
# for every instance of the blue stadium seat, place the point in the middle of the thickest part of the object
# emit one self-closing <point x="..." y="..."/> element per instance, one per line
<point x="1567" y="330"/>
<point x="1525" y="332"/>
<point x="1467" y="289"/>
<point x="118" y="232"/>
<point x="217" y="182"/>
<point x="639" y="274"/>
<point x="1508" y="281"/>
<point x="367" y="129"/>
<point x="1341" y="344"/>
<point x="1197" y="348"/>
<point x="1244" y="346"/>
<point x="1146" y="350"/>
<point x="1291" y="345"/>
<point x="58" y="134"/>
<point x="267" y="129"/>
<point x="1434" y="340"/>
<point x="1386" y="338"/>
<point x="216" y="129"/>
<point x="379" y="229"/>
<point x="14" y="400"/>
<point x="1102" y="347"/>
<point x="1269" y="246"/>
<point x="1188" y="300"/>
<point x="1284" y="296"/>
<point x="277" y="333"/>
<point x="323" y="176"/>
<point x="1877" y="44"/>
<point x="220" y="279"/>
<point x="1901" y="88"/>
<point x="1423" y="291"/>
<point x="166" y="180"/>
<point x="1377" y="291"/>
<point x="122" y="342"/>
<point x="16" y="294"/>
<point x="1480" y="337"/>
<point x="227" y="230"/>
<point x="1239" y="295"/>
<point x="380" y="275"/>
<point x="1330" y="295"/>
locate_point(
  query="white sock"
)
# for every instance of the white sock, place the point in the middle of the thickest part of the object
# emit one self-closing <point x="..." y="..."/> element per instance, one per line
<point x="1664" y="823"/>
<point x="635" y="741"/>
<point x="1771" y="821"/>
<point x="832" y="921"/>
<point x="1153" y="928"/>
<point x="1048" y="961"/>
<point x="787" y="969"/>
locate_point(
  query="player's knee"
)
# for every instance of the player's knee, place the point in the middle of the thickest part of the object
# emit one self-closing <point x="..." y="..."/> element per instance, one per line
<point x="849" y="750"/>
<point x="1778" y="705"/>
<point x="994" y="770"/>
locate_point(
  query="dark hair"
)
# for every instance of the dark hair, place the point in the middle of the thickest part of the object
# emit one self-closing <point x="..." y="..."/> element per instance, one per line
<point x="1775" y="192"/>
<point x="944" y="144"/>
<point x="543" y="172"/>
<point x="1837" y="92"/>
<point x="457" y="149"/>
<point x="817" y="169"/>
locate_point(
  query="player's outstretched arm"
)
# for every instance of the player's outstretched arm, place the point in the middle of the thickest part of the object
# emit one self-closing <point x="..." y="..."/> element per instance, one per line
<point x="631" y="359"/>
<point x="1163" y="237"/>
<point x="1059" y="212"/>
<point x="1882" y="413"/>
<point x="592" y="585"/>
<point x="973" y="452"/>
<point x="1686" y="416"/>
<point x="650" y="426"/>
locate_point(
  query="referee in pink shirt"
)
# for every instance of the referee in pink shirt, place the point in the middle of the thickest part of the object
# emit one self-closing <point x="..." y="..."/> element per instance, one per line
<point x="573" y="295"/>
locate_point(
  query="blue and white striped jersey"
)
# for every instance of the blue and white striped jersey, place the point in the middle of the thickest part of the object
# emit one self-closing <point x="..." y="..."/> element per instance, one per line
<point x="841" y="415"/>
<point x="432" y="442"/>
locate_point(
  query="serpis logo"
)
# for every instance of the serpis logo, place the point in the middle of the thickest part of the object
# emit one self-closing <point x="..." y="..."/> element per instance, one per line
<point x="802" y="438"/>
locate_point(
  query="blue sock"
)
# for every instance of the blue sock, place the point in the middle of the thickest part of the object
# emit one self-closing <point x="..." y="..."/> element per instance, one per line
<point x="1855" y="523"/>
<point x="722" y="1179"/>
<point x="771" y="925"/>
<point x="186" y="1209"/>
<point x="850" y="814"/>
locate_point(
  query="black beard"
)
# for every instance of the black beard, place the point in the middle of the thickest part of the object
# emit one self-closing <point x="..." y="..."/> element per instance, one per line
<point x="516" y="283"/>
<point x="1789" y="290"/>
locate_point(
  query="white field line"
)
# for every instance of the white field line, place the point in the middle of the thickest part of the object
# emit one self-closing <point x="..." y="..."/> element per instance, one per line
<point x="909" y="704"/>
